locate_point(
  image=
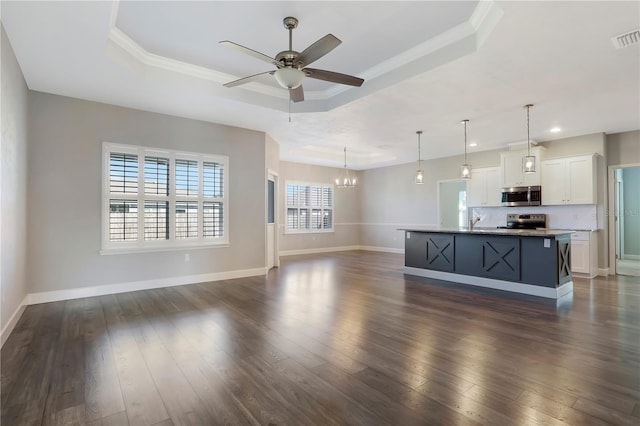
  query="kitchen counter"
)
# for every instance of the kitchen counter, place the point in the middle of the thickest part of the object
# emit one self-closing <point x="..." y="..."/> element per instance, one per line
<point x="529" y="261"/>
<point x="496" y="231"/>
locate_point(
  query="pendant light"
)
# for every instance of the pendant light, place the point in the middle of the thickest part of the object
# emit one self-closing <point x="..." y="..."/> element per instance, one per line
<point x="419" y="172"/>
<point x="465" y="169"/>
<point x="528" y="161"/>
<point x="346" y="181"/>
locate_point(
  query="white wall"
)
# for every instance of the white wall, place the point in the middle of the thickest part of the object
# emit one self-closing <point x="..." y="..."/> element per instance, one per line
<point x="13" y="192"/>
<point x="66" y="136"/>
<point x="346" y="210"/>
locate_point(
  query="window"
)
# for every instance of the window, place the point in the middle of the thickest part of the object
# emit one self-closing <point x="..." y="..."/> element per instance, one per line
<point x="155" y="199"/>
<point x="309" y="207"/>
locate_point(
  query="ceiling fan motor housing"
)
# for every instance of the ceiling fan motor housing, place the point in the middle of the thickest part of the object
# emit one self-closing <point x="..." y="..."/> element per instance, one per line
<point x="286" y="57"/>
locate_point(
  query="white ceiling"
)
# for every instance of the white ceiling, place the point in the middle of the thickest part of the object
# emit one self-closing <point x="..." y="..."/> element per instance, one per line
<point x="427" y="65"/>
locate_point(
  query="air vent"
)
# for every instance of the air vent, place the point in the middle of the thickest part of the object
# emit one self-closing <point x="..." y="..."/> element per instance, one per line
<point x="627" y="39"/>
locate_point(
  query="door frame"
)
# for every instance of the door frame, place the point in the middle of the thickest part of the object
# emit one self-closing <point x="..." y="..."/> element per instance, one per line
<point x="612" y="212"/>
<point x="274" y="176"/>
<point x="438" y="196"/>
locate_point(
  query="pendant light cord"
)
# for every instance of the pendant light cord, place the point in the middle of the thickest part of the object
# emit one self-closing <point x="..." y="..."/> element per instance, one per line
<point x="528" y="138"/>
<point x="465" y="140"/>
<point x="419" y="132"/>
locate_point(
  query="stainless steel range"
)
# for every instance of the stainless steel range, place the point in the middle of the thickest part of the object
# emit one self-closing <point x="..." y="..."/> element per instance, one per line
<point x="526" y="221"/>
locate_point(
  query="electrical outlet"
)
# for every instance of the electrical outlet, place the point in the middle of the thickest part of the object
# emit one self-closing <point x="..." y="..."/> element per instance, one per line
<point x="187" y="257"/>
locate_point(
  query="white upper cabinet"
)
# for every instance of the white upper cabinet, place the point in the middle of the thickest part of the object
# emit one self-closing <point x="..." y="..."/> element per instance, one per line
<point x="483" y="189"/>
<point x="569" y="180"/>
<point x="511" y="165"/>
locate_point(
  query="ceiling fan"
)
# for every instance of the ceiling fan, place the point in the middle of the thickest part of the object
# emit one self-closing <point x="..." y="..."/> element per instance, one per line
<point x="292" y="66"/>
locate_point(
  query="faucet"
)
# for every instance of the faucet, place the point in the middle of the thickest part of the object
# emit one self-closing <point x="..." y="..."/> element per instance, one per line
<point x="473" y="222"/>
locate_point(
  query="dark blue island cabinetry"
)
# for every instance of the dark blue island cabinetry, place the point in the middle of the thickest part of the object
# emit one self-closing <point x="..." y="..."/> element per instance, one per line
<point x="533" y="262"/>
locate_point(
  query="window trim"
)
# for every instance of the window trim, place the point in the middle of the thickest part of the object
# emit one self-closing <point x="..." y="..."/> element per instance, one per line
<point x="311" y="207"/>
<point x="142" y="245"/>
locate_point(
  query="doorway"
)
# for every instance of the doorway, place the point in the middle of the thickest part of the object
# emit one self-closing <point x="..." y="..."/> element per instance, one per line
<point x="273" y="259"/>
<point x="625" y="219"/>
<point x="452" y="203"/>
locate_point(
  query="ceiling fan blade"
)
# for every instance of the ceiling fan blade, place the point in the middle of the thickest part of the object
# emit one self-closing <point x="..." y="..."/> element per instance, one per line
<point x="247" y="79"/>
<point x="251" y="52"/>
<point x="297" y="94"/>
<point x="334" y="77"/>
<point x="317" y="50"/>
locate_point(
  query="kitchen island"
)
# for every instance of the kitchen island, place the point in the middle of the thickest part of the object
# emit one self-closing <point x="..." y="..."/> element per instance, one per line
<point x="529" y="261"/>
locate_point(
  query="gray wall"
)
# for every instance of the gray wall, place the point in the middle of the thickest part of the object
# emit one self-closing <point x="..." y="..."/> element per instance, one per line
<point x="631" y="197"/>
<point x="623" y="148"/>
<point x="13" y="175"/>
<point x="346" y="209"/>
<point x="272" y="154"/>
<point x="65" y="139"/>
<point x="391" y="199"/>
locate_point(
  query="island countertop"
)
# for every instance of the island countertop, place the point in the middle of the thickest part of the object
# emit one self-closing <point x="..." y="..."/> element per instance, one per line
<point x="494" y="231"/>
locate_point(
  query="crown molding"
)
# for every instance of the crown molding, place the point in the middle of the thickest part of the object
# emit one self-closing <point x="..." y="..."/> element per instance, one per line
<point x="480" y="24"/>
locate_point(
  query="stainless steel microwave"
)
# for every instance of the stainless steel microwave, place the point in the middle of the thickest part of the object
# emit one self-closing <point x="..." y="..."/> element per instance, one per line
<point x="521" y="196"/>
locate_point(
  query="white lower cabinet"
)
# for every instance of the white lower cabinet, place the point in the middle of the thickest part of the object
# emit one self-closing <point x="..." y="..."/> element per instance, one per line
<point x="584" y="253"/>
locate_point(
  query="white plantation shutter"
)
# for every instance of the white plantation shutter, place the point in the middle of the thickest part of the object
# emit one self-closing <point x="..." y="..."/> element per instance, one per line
<point x="186" y="177"/>
<point x="156" y="220"/>
<point x="213" y="215"/>
<point x="123" y="220"/>
<point x="156" y="176"/>
<point x="123" y="173"/>
<point x="309" y="207"/>
<point x="156" y="198"/>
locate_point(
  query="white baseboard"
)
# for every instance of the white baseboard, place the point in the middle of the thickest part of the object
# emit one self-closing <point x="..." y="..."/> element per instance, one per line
<point x="602" y="272"/>
<point x="8" y="328"/>
<point x="317" y="250"/>
<point x="77" y="293"/>
<point x="342" y="248"/>
<point x="534" y="290"/>
<point x="383" y="249"/>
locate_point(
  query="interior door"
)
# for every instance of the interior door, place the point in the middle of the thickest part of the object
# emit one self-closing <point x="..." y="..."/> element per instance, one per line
<point x="628" y="227"/>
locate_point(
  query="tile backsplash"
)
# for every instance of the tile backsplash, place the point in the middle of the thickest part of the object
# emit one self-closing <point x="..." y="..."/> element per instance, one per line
<point x="582" y="216"/>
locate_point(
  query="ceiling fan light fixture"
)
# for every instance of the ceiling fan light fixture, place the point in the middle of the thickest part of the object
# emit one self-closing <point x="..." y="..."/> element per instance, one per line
<point x="289" y="78"/>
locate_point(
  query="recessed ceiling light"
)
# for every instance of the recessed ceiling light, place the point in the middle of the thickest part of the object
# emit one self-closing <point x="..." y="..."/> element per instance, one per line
<point x="555" y="129"/>
<point x="472" y="144"/>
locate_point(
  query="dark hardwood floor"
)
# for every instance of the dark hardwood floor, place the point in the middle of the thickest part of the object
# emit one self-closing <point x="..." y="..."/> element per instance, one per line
<point x="341" y="338"/>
